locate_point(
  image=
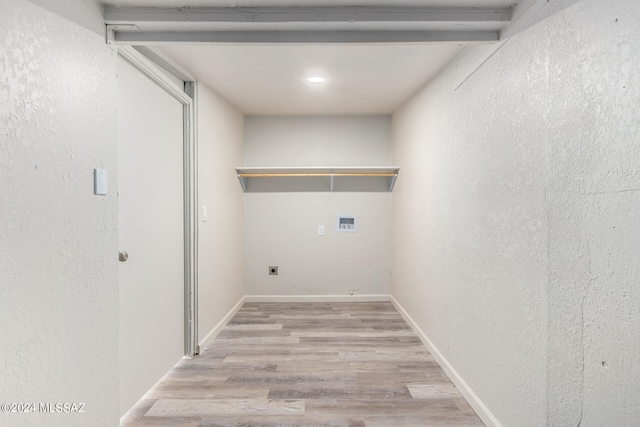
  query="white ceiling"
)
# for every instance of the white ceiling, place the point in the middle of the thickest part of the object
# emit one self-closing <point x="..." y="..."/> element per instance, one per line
<point x="270" y="79"/>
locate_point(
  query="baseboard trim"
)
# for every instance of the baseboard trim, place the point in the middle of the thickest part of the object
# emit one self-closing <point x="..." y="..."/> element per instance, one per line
<point x="317" y="298"/>
<point x="481" y="409"/>
<point x="220" y="325"/>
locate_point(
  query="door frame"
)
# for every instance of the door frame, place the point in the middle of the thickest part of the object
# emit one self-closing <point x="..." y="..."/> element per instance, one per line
<point x="187" y="96"/>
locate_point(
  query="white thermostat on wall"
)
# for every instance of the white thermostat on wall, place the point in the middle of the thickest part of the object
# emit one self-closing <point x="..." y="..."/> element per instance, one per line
<point x="347" y="223"/>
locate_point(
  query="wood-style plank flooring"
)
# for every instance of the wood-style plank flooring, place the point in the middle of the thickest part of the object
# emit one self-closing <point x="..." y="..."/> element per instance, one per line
<point x="308" y="364"/>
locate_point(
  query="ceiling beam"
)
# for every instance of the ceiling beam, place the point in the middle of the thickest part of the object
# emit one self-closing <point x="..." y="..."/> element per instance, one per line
<point x="350" y="24"/>
<point x="344" y="14"/>
<point x="309" y="37"/>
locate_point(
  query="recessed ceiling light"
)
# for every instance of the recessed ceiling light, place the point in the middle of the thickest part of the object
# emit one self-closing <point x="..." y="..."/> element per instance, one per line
<point x="316" y="79"/>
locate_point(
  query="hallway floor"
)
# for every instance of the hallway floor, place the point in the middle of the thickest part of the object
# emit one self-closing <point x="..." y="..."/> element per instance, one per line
<point x="308" y="364"/>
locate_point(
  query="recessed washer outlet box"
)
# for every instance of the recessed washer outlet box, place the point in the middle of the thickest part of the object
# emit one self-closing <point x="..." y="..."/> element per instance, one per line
<point x="273" y="270"/>
<point x="347" y="223"/>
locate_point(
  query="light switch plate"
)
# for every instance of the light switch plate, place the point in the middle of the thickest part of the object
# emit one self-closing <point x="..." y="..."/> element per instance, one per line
<point x="99" y="182"/>
<point x="204" y="214"/>
<point x="321" y="230"/>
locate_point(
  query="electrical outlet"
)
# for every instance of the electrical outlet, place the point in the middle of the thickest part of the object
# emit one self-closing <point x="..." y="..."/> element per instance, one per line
<point x="273" y="270"/>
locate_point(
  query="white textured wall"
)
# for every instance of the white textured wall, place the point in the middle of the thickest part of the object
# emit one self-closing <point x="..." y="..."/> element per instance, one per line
<point x="593" y="200"/>
<point x="516" y="228"/>
<point x="281" y="228"/>
<point x="88" y="14"/>
<point x="58" y="242"/>
<point x="220" y="242"/>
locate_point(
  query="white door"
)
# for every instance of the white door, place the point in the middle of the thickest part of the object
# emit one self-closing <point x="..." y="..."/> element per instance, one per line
<point x="150" y="196"/>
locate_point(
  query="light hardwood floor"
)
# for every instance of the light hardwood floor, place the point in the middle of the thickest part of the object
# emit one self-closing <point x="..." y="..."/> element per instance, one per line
<point x="308" y="364"/>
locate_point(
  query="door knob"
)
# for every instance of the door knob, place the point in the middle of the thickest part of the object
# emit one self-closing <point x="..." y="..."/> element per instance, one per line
<point x="123" y="256"/>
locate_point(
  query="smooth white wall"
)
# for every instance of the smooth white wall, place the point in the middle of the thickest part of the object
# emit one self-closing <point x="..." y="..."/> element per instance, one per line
<point x="220" y="136"/>
<point x="516" y="229"/>
<point x="281" y="227"/>
<point x="58" y="242"/>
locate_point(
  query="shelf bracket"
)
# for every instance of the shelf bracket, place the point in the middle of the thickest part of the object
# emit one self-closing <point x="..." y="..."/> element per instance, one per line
<point x="392" y="181"/>
<point x="331" y="183"/>
<point x="243" y="183"/>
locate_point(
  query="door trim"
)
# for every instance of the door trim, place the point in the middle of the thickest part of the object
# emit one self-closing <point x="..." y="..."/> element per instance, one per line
<point x="187" y="96"/>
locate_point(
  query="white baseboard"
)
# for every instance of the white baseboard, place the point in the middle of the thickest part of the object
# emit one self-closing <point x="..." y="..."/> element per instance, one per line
<point x="317" y="298"/>
<point x="220" y="325"/>
<point x="481" y="409"/>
